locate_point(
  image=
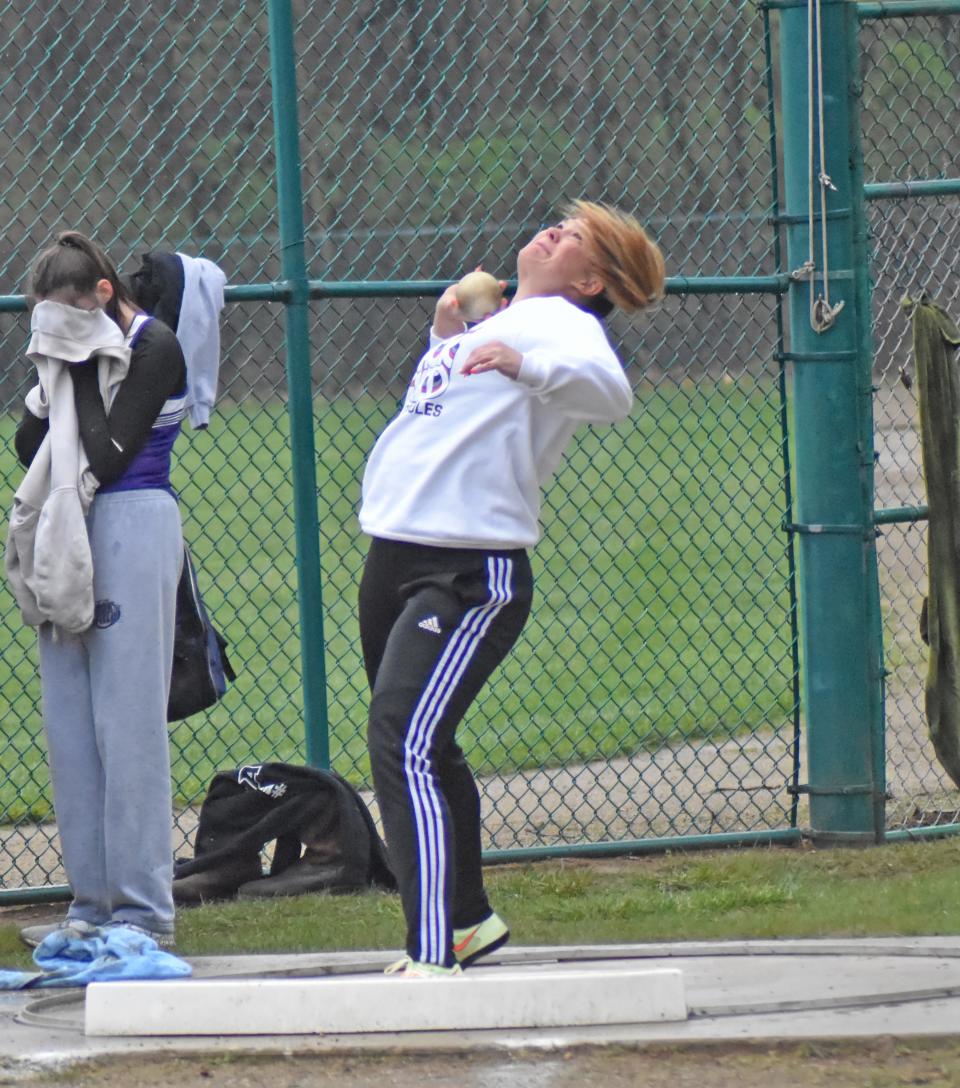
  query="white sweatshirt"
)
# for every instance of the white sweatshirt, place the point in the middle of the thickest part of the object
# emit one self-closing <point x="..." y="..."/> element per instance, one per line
<point x="463" y="463"/>
<point x="198" y="331"/>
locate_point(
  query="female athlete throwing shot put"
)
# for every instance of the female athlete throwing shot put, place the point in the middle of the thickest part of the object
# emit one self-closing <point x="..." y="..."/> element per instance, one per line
<point x="451" y="498"/>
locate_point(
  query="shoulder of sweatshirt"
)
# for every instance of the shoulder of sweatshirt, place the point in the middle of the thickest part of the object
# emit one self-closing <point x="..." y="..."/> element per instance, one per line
<point x="554" y="309"/>
<point x="555" y="320"/>
<point x="554" y="323"/>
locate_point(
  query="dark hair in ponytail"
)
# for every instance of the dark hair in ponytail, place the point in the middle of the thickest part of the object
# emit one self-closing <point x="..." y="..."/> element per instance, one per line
<point x="74" y="266"/>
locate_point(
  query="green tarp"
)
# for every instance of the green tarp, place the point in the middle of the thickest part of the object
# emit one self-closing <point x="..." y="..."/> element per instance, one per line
<point x="935" y="342"/>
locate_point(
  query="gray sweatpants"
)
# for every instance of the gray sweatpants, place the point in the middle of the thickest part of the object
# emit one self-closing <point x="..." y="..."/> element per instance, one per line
<point x="105" y="714"/>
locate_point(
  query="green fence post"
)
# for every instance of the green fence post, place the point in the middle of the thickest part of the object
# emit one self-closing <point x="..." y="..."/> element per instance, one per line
<point x="299" y="392"/>
<point x="832" y="416"/>
<point x="863" y="293"/>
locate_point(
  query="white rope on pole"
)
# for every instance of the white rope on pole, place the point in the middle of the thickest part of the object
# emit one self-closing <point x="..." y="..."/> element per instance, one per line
<point x="822" y="313"/>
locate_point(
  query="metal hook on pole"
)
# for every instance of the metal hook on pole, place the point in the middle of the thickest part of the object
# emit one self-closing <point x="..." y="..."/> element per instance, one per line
<point x="823" y="314"/>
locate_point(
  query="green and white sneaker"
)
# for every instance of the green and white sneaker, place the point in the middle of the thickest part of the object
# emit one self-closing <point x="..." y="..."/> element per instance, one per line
<point x="408" y="968"/>
<point x="472" y="942"/>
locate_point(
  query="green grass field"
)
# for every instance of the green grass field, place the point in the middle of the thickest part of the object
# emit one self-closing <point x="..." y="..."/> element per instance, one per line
<point x="662" y="611"/>
<point x="907" y="889"/>
<point x="904" y="889"/>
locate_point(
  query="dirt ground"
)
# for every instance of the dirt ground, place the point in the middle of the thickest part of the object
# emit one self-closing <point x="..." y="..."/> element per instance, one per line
<point x="880" y="1063"/>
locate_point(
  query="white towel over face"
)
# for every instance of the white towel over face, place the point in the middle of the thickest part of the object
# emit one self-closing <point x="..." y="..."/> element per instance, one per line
<point x="72" y="335"/>
<point x="48" y="560"/>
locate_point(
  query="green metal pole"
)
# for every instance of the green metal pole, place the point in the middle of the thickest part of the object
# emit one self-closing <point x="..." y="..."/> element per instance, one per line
<point x="712" y="841"/>
<point x="896" y="515"/>
<point x="322" y="289"/>
<point x="790" y="544"/>
<point x="903" y="190"/>
<point x="838" y="597"/>
<point x="863" y="296"/>
<point x="908" y="8"/>
<point x="299" y="397"/>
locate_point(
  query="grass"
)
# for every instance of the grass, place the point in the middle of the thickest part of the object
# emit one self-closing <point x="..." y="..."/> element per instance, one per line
<point x="662" y="615"/>
<point x="907" y="889"/>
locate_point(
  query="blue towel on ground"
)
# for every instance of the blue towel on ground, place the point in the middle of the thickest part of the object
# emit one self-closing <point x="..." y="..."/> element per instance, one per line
<point x="114" y="952"/>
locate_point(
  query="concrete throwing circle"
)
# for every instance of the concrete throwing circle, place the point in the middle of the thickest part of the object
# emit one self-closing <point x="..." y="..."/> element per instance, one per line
<point x="734" y="990"/>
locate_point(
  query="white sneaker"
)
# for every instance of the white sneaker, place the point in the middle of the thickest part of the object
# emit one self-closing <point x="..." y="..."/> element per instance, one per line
<point x="72" y="928"/>
<point x="165" y="941"/>
<point x="408" y="968"/>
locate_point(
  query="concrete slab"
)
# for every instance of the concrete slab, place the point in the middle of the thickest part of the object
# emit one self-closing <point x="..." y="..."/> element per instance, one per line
<point x="736" y="990"/>
<point x="520" y="998"/>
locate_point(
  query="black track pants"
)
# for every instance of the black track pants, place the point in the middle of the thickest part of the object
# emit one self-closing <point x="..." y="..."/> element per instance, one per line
<point x="434" y="624"/>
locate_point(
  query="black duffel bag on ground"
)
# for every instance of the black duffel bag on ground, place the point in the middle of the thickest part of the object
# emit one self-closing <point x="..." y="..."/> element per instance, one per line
<point x="326" y="840"/>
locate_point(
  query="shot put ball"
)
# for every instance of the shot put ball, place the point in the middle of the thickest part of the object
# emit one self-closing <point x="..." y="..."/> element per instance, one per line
<point x="478" y="293"/>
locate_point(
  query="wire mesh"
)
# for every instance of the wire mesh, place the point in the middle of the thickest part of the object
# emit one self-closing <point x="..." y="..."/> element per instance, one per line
<point x="165" y="142"/>
<point x="653" y="691"/>
<point x="911" y="74"/>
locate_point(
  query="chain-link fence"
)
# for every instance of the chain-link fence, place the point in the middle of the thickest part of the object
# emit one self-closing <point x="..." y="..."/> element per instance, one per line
<point x="148" y="126"/>
<point x="654" y="694"/>
<point x="911" y="134"/>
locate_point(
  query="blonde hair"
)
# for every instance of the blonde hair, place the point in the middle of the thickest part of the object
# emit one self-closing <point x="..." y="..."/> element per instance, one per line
<point x="627" y="260"/>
